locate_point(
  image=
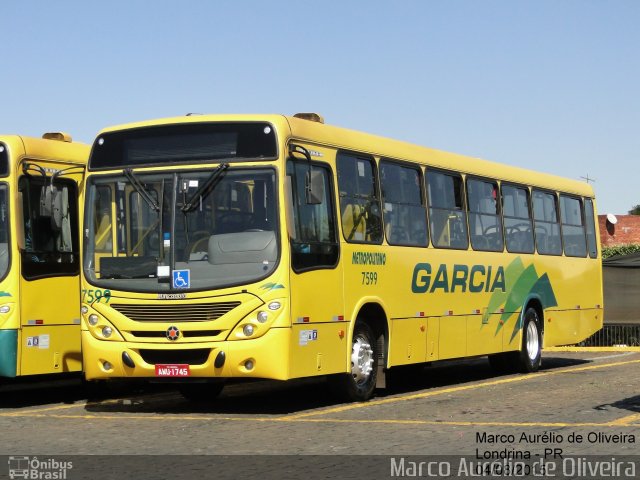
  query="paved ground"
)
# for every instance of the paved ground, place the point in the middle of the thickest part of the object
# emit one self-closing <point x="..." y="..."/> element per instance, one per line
<point x="578" y="404"/>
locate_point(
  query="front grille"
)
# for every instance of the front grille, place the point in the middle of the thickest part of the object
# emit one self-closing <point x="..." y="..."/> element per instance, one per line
<point x="188" y="312"/>
<point x="189" y="334"/>
<point x="196" y="356"/>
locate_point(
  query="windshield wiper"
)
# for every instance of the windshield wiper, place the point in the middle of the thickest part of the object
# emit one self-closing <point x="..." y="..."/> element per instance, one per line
<point x="137" y="184"/>
<point x="205" y="188"/>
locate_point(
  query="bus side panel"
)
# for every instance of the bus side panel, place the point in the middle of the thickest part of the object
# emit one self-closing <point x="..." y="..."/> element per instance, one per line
<point x="512" y="333"/>
<point x="576" y="285"/>
<point x="433" y="334"/>
<point x="50" y="337"/>
<point x="8" y="353"/>
<point x="590" y="321"/>
<point x="317" y="317"/>
<point x="483" y="336"/>
<point x="318" y="349"/>
<point x="408" y="341"/>
<point x="562" y="327"/>
<point x="50" y="349"/>
<point x="453" y="337"/>
<point x="51" y="301"/>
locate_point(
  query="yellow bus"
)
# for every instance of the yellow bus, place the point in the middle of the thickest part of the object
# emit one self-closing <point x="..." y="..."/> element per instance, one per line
<point x="268" y="246"/>
<point x="40" y="254"/>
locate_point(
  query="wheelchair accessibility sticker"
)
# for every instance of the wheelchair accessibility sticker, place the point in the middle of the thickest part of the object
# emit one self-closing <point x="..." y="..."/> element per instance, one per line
<point x="181" y="279"/>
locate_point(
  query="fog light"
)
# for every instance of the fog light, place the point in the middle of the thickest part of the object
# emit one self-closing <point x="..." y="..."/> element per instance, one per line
<point x="106" y="332"/>
<point x="93" y="319"/>
<point x="248" y="364"/>
<point x="262" y="317"/>
<point x="84" y="310"/>
<point x="106" y="365"/>
<point x="248" y="330"/>
<point x="5" y="309"/>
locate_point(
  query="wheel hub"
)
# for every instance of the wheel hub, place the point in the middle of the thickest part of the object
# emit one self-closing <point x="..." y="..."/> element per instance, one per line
<point x="532" y="341"/>
<point x="361" y="360"/>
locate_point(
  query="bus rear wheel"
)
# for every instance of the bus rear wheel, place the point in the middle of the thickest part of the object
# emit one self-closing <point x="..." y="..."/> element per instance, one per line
<point x="531" y="352"/>
<point x="528" y="358"/>
<point x="359" y="384"/>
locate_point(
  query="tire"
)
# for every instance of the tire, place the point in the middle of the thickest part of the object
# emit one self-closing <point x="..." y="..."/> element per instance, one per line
<point x="360" y="383"/>
<point x="201" y="392"/>
<point x="530" y="355"/>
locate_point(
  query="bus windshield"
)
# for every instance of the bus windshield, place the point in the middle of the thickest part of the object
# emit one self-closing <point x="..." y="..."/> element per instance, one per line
<point x="187" y="230"/>
<point x="4" y="230"/>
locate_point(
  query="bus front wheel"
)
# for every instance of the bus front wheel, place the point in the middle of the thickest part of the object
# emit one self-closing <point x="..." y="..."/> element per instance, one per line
<point x="359" y="384"/>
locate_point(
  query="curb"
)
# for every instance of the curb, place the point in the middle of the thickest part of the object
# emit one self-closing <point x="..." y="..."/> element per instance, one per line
<point x="621" y="348"/>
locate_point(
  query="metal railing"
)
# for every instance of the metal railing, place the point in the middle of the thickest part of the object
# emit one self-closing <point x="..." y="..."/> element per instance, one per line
<point x="612" y="335"/>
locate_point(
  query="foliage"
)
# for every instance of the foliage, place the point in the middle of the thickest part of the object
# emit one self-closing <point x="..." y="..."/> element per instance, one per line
<point x="620" y="250"/>
<point x="635" y="210"/>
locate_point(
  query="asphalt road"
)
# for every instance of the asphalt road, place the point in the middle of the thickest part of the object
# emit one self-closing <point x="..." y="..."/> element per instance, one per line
<point x="579" y="404"/>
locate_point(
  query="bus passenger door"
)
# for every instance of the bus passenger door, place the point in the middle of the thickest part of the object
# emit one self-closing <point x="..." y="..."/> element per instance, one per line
<point x="318" y="345"/>
<point x="49" y="281"/>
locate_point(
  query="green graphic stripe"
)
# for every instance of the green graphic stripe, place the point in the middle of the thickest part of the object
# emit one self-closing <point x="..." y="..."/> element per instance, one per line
<point x="526" y="283"/>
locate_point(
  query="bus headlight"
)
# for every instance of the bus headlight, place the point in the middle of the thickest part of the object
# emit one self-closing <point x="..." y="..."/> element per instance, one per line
<point x="5" y="309"/>
<point x="262" y="317"/>
<point x="248" y="330"/>
<point x="84" y="310"/>
<point x="93" y="319"/>
<point x="107" y="331"/>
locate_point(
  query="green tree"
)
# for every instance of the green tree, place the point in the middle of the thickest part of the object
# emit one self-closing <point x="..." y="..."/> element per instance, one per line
<point x="635" y="210"/>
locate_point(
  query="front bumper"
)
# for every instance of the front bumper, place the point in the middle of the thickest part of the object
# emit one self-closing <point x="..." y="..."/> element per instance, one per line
<point x="267" y="355"/>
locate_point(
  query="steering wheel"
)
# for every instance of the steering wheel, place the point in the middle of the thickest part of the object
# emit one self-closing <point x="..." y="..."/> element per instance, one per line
<point x="201" y="240"/>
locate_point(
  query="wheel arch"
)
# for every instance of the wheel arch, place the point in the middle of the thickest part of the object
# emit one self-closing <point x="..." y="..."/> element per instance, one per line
<point x="373" y="313"/>
<point x="533" y="301"/>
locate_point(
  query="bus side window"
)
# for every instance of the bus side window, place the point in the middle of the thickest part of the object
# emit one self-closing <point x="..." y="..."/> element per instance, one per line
<point x="447" y="217"/>
<point x="359" y="201"/>
<point x="547" y="225"/>
<point x="405" y="216"/>
<point x="592" y="241"/>
<point x="573" y="232"/>
<point x="485" y="225"/>
<point x="517" y="219"/>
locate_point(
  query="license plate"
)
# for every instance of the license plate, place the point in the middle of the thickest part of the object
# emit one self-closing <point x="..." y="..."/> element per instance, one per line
<point x="163" y="370"/>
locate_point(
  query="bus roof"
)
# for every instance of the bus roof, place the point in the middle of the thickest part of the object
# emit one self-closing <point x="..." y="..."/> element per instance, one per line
<point x="343" y="138"/>
<point x="44" y="149"/>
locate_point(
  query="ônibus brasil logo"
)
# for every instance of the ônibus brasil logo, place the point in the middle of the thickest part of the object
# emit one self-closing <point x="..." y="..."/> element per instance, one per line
<point x="33" y="468"/>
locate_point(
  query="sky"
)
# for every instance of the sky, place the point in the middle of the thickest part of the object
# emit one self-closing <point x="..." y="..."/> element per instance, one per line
<point x="551" y="85"/>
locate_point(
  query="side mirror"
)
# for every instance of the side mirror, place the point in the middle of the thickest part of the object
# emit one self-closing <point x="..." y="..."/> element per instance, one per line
<point x="315" y="187"/>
